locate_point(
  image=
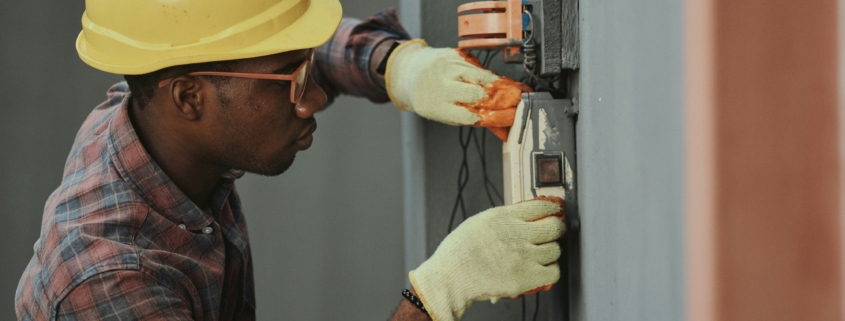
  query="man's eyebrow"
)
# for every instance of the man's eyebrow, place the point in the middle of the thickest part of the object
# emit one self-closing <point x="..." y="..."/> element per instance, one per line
<point x="289" y="68"/>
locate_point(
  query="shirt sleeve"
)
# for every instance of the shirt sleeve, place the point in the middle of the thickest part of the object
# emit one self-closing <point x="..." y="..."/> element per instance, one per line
<point x="342" y="65"/>
<point x="123" y="295"/>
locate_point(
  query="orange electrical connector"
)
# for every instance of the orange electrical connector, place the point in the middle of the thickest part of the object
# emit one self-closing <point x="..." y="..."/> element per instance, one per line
<point x="492" y="25"/>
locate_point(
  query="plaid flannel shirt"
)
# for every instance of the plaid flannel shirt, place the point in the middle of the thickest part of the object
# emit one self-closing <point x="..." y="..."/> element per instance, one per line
<point x="342" y="65"/>
<point x="119" y="241"/>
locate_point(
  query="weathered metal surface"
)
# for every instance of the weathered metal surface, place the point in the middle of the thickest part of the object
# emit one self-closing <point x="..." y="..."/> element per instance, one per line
<point x="552" y="38"/>
<point x="545" y="129"/>
<point x="570" y="48"/>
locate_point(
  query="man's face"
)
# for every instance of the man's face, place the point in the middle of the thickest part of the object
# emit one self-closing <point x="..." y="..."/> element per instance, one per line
<point x="254" y="126"/>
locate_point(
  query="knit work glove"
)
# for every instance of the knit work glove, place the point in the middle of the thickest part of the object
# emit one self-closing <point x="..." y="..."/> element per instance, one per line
<point x="450" y="86"/>
<point x="505" y="251"/>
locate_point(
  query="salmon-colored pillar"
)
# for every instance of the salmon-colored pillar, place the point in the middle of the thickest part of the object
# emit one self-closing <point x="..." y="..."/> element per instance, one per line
<point x="763" y="182"/>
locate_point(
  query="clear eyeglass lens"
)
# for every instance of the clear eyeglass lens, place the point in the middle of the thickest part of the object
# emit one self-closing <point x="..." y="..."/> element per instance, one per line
<point x="299" y="83"/>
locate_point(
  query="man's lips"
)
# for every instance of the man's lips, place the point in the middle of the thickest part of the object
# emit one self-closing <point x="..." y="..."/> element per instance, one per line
<point x="305" y="139"/>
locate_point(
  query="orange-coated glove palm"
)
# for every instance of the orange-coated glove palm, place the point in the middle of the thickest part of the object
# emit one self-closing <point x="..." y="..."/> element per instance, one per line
<point x="450" y="86"/>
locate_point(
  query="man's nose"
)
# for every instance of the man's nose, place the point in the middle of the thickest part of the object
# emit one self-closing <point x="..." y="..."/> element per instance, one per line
<point x="313" y="100"/>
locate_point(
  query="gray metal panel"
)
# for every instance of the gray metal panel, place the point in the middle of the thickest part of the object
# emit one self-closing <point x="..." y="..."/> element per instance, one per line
<point x="570" y="57"/>
<point x="630" y="156"/>
<point x="552" y="37"/>
<point x="558" y="304"/>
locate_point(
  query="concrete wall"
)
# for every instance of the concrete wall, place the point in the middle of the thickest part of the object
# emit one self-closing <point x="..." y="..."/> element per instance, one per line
<point x="326" y="236"/>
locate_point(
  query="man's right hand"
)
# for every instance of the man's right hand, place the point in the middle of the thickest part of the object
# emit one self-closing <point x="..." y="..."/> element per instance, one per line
<point x="450" y="86"/>
<point x="502" y="252"/>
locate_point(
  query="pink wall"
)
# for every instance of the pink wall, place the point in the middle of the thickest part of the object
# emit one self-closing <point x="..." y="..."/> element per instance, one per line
<point x="762" y="160"/>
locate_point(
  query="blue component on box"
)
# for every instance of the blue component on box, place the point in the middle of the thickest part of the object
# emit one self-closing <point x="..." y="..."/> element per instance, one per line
<point x="525" y="21"/>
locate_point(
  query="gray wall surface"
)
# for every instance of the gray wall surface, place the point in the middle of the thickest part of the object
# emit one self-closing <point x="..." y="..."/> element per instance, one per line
<point x="326" y="235"/>
<point x="45" y="94"/>
<point x="630" y="158"/>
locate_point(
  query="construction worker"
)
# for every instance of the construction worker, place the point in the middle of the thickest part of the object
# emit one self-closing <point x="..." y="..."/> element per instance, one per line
<point x="147" y="225"/>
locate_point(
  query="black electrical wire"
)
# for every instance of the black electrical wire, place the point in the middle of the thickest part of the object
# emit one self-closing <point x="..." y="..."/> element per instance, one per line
<point x="482" y="155"/>
<point x="487" y="57"/>
<point x="463" y="176"/>
<point x="463" y="172"/>
<point x="488" y="183"/>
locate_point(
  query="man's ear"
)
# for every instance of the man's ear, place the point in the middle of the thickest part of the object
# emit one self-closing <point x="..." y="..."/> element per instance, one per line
<point x="189" y="95"/>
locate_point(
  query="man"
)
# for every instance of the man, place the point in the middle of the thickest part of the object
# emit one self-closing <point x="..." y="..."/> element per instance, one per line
<point x="147" y="225"/>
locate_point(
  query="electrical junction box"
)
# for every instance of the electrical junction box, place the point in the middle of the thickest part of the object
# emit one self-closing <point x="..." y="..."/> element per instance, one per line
<point x="539" y="158"/>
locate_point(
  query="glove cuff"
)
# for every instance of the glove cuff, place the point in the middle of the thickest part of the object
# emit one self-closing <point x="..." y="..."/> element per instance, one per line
<point x="396" y="86"/>
<point x="437" y="298"/>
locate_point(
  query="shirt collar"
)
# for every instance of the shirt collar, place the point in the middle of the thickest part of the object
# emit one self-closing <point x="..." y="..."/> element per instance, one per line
<point x="146" y="178"/>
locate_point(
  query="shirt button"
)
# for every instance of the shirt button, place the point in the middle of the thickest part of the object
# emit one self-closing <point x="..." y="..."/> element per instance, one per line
<point x="182" y="226"/>
<point x="207" y="230"/>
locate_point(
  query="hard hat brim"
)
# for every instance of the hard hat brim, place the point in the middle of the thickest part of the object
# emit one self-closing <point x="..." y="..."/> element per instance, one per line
<point x="316" y="26"/>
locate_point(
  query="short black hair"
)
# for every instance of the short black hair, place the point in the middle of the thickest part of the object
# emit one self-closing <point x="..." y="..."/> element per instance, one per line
<point x="143" y="86"/>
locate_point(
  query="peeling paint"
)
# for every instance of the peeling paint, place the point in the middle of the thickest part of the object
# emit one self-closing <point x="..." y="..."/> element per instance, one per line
<point x="543" y="121"/>
<point x="547" y="133"/>
<point x="568" y="177"/>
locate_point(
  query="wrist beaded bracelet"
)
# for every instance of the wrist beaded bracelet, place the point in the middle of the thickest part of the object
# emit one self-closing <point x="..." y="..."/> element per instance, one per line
<point x="415" y="301"/>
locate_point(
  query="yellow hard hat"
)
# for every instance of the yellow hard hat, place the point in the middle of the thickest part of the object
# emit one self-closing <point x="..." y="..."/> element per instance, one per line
<point x="132" y="37"/>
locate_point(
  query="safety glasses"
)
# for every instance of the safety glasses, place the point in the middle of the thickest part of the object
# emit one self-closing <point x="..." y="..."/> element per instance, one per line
<point x="298" y="79"/>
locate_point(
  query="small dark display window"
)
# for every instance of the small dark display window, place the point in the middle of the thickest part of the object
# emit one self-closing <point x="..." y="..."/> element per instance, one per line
<point x="549" y="170"/>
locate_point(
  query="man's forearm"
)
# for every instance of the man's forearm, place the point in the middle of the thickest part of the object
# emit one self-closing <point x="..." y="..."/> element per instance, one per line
<point x="408" y="312"/>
